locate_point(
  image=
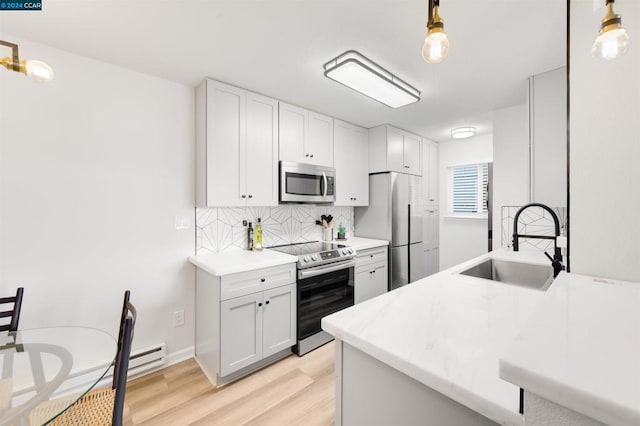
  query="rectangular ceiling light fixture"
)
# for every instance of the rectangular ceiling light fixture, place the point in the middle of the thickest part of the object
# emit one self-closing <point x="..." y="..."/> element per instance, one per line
<point x="365" y="76"/>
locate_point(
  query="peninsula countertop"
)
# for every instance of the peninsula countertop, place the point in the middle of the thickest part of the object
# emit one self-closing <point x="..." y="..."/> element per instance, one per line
<point x="448" y="332"/>
<point x="581" y="349"/>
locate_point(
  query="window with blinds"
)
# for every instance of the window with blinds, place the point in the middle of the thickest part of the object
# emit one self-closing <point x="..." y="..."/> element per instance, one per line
<point x="468" y="189"/>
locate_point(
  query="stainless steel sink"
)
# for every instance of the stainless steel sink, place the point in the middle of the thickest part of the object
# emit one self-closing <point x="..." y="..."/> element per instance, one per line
<point x="538" y="277"/>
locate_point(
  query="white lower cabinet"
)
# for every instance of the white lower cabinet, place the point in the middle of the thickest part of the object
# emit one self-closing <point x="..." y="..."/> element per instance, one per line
<point x="431" y="261"/>
<point x="240" y="333"/>
<point x="236" y="335"/>
<point x="371" y="274"/>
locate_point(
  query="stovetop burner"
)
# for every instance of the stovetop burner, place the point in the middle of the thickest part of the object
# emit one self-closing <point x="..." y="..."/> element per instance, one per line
<point x="316" y="253"/>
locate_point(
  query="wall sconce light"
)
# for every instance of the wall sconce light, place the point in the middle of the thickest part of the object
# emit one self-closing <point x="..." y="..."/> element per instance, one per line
<point x="613" y="40"/>
<point x="436" y="44"/>
<point x="37" y="70"/>
<point x="463" y="132"/>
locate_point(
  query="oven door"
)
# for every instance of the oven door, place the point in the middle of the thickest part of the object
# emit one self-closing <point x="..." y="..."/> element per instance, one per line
<point x="323" y="291"/>
<point x="301" y="183"/>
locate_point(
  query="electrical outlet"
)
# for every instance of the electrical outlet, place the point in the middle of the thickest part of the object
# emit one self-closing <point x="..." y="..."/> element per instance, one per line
<point x="178" y="318"/>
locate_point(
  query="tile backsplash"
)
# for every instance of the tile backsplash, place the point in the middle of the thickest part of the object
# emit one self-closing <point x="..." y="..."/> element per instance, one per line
<point x="533" y="221"/>
<point x="218" y="229"/>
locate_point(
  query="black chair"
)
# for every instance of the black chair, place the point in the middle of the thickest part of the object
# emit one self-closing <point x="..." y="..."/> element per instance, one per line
<point x="103" y="406"/>
<point x="14" y="313"/>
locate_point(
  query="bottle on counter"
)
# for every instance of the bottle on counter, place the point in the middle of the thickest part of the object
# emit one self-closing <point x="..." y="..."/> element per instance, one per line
<point x="257" y="237"/>
<point x="249" y="237"/>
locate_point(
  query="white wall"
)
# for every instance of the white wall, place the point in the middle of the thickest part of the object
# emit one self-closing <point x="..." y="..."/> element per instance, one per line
<point x="461" y="239"/>
<point x="510" y="163"/>
<point x="605" y="149"/>
<point x="94" y="167"/>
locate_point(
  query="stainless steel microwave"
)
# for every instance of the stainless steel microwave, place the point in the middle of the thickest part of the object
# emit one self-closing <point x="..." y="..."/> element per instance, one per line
<point x="307" y="183"/>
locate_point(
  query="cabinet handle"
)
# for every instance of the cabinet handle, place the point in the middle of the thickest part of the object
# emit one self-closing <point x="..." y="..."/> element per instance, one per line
<point x="243" y="196"/>
<point x="267" y="302"/>
<point x="250" y="196"/>
<point x="306" y="155"/>
<point x="262" y="280"/>
<point x="259" y="304"/>
<point x="311" y="155"/>
<point x="371" y="256"/>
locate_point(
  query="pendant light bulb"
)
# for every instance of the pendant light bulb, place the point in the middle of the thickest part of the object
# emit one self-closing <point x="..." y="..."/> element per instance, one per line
<point x="436" y="44"/>
<point x="38" y="70"/>
<point x="613" y="39"/>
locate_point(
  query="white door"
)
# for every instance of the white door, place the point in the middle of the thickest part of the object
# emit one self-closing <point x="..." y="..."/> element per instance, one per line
<point x="319" y="142"/>
<point x="395" y="150"/>
<point x="293" y="132"/>
<point x="432" y="224"/>
<point x="261" y="154"/>
<point x="412" y="152"/>
<point x="240" y="332"/>
<point x="225" y="137"/>
<point x="279" y="319"/>
<point x="361" y="284"/>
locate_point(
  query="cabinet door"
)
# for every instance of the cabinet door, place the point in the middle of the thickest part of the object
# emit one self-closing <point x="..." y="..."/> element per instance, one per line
<point x="261" y="154"/>
<point x="293" y="132"/>
<point x="240" y="332"/>
<point x="225" y="139"/>
<point x="434" y="174"/>
<point x="379" y="283"/>
<point x="319" y="141"/>
<point x="279" y="319"/>
<point x="361" y="285"/>
<point x="431" y="229"/>
<point x="412" y="153"/>
<point x="431" y="261"/>
<point x="395" y="150"/>
<point x="351" y="160"/>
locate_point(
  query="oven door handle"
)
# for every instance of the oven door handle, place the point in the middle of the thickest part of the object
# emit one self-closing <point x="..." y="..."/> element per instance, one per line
<point x="332" y="267"/>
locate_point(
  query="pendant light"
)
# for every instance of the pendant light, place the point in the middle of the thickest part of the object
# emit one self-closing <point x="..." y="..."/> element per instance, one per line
<point x="436" y="44"/>
<point x="37" y="70"/>
<point x="613" y="39"/>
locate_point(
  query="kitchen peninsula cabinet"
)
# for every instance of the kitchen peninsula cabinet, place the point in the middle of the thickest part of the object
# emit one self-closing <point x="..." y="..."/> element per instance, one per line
<point x="305" y="136"/>
<point x="236" y="147"/>
<point x="394" y="150"/>
<point x="351" y="160"/>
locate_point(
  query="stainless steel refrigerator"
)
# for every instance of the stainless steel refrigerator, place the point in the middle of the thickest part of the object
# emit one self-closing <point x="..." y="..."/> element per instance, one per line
<point x="395" y="214"/>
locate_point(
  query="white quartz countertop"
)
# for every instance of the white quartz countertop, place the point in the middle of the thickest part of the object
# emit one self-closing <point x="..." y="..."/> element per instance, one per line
<point x="447" y="331"/>
<point x="360" y="243"/>
<point x="581" y="349"/>
<point x="238" y="260"/>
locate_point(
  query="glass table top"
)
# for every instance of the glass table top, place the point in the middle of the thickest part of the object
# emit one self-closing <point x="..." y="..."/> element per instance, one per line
<point x="61" y="363"/>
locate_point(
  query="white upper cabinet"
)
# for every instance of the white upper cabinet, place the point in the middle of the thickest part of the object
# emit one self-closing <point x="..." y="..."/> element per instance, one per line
<point x="305" y="136"/>
<point x="394" y="150"/>
<point x="351" y="160"/>
<point x="236" y="147"/>
<point x="431" y="172"/>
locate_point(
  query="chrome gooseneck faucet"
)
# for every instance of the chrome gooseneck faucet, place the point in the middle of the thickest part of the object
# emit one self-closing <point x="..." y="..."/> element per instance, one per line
<point x="556" y="260"/>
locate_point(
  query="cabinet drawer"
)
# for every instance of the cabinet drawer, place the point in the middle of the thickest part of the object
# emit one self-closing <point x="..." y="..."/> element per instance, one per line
<point x="244" y="283"/>
<point x="369" y="256"/>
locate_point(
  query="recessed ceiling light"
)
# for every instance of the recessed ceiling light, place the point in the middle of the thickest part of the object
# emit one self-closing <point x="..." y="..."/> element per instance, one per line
<point x="365" y="76"/>
<point x="463" y="132"/>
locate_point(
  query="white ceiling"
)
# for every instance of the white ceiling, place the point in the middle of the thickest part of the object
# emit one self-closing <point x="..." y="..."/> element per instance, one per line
<point x="277" y="48"/>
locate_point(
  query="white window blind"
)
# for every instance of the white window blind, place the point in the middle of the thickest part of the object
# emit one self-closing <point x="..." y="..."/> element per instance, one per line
<point x="468" y="189"/>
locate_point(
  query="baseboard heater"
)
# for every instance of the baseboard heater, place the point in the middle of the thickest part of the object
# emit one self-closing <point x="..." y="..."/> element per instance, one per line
<point x="139" y="362"/>
<point x="147" y="359"/>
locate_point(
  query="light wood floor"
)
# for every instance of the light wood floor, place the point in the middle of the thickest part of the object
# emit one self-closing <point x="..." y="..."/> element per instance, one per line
<point x="295" y="390"/>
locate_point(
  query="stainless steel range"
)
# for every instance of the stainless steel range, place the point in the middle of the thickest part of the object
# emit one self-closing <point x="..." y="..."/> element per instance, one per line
<point x="325" y="286"/>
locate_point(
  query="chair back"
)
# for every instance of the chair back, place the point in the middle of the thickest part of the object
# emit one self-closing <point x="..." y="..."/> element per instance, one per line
<point x="14" y="313"/>
<point x="121" y="366"/>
